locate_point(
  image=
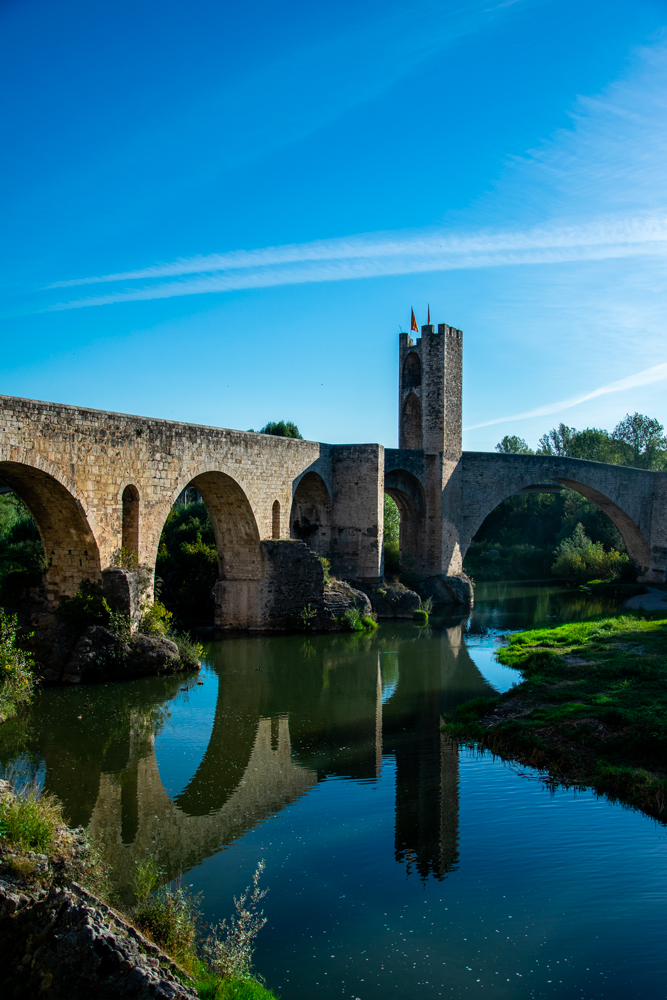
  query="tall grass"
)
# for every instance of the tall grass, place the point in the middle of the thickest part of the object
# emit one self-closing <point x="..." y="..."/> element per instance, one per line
<point x="221" y="965"/>
<point x="29" y="820"/>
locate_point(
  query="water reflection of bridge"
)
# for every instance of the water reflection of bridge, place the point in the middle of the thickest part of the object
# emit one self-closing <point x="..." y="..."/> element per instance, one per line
<point x="290" y="712"/>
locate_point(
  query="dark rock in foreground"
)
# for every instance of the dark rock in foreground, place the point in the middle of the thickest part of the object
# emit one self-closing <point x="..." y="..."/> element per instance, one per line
<point x="68" y="945"/>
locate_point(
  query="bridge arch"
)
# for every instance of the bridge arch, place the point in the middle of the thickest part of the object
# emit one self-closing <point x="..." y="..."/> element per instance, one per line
<point x="234" y="524"/>
<point x="490" y="479"/>
<point x="70" y="547"/>
<point x="407" y="493"/>
<point x="310" y="517"/>
<point x="631" y="533"/>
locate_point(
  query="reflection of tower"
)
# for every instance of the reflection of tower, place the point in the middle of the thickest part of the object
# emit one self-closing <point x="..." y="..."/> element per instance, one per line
<point x="427" y="805"/>
<point x="427" y="797"/>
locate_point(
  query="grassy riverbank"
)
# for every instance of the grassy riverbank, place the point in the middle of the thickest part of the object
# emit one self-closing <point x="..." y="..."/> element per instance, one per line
<point x="591" y="710"/>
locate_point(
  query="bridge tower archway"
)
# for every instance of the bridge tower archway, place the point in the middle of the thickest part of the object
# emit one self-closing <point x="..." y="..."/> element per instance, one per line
<point x="70" y="548"/>
<point x="407" y="493"/>
<point x="310" y="517"/>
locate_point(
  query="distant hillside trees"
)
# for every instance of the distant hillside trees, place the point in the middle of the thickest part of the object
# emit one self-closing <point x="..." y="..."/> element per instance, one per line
<point x="637" y="441"/>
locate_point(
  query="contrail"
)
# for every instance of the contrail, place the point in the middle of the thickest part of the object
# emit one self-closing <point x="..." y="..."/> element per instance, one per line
<point x="606" y="232"/>
<point x="655" y="374"/>
<point x="381" y="255"/>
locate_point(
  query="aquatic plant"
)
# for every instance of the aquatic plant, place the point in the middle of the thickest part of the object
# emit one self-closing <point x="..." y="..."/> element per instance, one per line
<point x="354" y="621"/>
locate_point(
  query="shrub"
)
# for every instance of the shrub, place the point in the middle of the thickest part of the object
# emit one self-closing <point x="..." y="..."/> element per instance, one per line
<point x="420" y="615"/>
<point x="579" y="559"/>
<point x="87" y="607"/>
<point x="154" y="619"/>
<point x="306" y="616"/>
<point x="16" y="668"/>
<point x="282" y="428"/>
<point x="169" y="919"/>
<point x="230" y="946"/>
<point x="22" y="562"/>
<point x="189" y="650"/>
<point x="29" y="820"/>
<point x="120" y="624"/>
<point x="126" y="559"/>
<point x="222" y="964"/>
<point x="392" y="527"/>
<point x="187" y="561"/>
<point x="326" y="566"/>
<point x="353" y="620"/>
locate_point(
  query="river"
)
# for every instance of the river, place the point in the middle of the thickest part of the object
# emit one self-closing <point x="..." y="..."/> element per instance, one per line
<point x="397" y="865"/>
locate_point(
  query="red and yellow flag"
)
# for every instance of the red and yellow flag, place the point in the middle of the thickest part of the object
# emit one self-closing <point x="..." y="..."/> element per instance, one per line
<point x="429" y="316"/>
<point x="413" y="321"/>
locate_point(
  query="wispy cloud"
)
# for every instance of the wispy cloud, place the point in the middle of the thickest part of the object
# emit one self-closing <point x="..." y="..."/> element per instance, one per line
<point x="658" y="373"/>
<point x="381" y="254"/>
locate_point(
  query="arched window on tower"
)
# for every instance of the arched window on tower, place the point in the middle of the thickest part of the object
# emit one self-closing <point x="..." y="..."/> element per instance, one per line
<point x="412" y="371"/>
<point x="276" y="520"/>
<point x="412" y="422"/>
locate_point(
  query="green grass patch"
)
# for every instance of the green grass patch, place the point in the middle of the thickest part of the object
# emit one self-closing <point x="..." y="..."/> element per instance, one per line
<point x="29" y="820"/>
<point x="591" y="710"/>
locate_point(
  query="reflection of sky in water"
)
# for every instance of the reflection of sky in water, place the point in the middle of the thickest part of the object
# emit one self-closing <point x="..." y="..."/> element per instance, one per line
<point x="183" y="739"/>
<point x="389" y="664"/>
<point x="482" y="649"/>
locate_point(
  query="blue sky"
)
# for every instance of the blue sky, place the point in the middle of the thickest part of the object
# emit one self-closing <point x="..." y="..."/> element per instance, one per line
<point x="223" y="213"/>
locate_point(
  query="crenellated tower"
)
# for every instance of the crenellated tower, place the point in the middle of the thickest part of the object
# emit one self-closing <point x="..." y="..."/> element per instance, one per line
<point x="430" y="374"/>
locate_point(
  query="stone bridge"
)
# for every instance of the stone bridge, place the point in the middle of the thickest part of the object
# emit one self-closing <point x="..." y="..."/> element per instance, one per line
<point x="97" y="483"/>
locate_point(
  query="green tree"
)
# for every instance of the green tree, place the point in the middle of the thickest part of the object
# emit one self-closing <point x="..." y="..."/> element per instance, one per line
<point x="22" y="562"/>
<point x="637" y="441"/>
<point x="556" y="441"/>
<point x="513" y="445"/>
<point x="187" y="562"/>
<point x="643" y="444"/>
<point x="282" y="428"/>
<point x="392" y="527"/>
<point x="594" y="444"/>
<point x="580" y="559"/>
